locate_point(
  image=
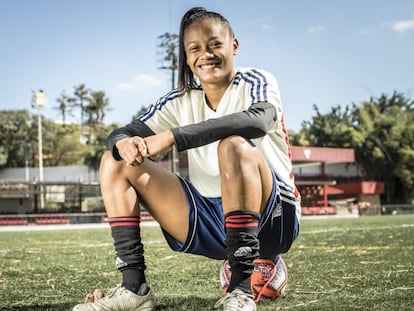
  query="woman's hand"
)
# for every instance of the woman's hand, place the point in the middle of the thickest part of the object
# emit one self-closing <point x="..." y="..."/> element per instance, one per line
<point x="132" y="150"/>
<point x="135" y="149"/>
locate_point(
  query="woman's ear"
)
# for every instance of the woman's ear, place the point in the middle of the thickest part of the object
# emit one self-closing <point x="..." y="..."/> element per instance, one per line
<point x="235" y="46"/>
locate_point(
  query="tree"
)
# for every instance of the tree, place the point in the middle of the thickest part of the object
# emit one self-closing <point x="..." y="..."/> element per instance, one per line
<point x="14" y="134"/>
<point x="65" y="106"/>
<point x="326" y="130"/>
<point x="96" y="109"/>
<point x="61" y="145"/>
<point x="81" y="94"/>
<point x="92" y="157"/>
<point x="380" y="130"/>
<point x="385" y="146"/>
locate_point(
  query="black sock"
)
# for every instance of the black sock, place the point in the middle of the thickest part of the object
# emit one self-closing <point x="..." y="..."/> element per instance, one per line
<point x="242" y="247"/>
<point x="129" y="251"/>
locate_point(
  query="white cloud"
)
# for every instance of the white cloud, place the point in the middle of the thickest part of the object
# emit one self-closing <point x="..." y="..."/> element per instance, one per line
<point x="141" y="81"/>
<point x="318" y="28"/>
<point x="403" y="25"/>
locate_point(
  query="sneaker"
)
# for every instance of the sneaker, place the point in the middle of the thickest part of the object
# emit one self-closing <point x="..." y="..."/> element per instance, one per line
<point x="122" y="299"/>
<point x="269" y="279"/>
<point x="236" y="301"/>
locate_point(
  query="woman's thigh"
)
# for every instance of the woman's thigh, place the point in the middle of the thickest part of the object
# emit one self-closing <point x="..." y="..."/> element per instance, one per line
<point x="156" y="188"/>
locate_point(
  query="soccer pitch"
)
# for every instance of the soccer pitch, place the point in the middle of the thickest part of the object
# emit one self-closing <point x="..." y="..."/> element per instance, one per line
<point x="362" y="263"/>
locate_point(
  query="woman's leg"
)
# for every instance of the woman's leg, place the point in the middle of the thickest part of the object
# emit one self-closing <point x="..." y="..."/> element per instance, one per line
<point x="122" y="188"/>
<point x="160" y="190"/>
<point x="246" y="179"/>
<point x="246" y="184"/>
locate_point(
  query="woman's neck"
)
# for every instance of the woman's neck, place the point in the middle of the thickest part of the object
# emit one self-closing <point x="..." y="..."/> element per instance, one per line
<point x="215" y="92"/>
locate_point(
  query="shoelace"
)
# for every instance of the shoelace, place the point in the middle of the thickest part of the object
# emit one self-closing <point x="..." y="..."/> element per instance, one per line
<point x="113" y="291"/>
<point x="233" y="301"/>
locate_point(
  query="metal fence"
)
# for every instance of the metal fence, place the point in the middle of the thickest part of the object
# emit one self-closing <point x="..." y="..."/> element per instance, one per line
<point x="50" y="197"/>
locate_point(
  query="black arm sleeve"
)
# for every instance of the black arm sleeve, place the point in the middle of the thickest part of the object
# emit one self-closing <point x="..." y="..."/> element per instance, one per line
<point x="251" y="123"/>
<point x="135" y="128"/>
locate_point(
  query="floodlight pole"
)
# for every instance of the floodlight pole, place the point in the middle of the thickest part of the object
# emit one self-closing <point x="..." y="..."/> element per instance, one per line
<point x="38" y="102"/>
<point x="167" y="46"/>
<point x="26" y="152"/>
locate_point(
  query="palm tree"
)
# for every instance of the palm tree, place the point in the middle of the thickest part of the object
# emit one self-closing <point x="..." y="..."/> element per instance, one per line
<point x="96" y="110"/>
<point x="81" y="94"/>
<point x="64" y="106"/>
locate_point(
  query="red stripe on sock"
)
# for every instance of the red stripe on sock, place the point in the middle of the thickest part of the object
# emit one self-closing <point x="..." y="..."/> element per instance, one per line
<point x="241" y="221"/>
<point x="124" y="224"/>
<point x="124" y="221"/>
<point x="124" y="218"/>
<point x="240" y="217"/>
<point x="242" y="225"/>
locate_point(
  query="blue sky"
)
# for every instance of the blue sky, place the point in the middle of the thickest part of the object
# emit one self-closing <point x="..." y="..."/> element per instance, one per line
<point x="322" y="52"/>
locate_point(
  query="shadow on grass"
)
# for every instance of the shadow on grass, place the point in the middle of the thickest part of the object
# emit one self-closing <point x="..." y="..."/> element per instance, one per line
<point x="185" y="303"/>
<point x="46" y="307"/>
<point x="163" y="304"/>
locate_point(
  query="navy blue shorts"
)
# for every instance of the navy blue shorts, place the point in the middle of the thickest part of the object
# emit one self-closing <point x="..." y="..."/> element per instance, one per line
<point x="278" y="225"/>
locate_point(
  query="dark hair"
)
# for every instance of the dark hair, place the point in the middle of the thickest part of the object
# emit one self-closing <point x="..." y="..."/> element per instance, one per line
<point x="186" y="80"/>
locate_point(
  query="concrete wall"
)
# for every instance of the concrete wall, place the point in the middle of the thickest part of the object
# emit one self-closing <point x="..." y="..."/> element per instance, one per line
<point x="50" y="174"/>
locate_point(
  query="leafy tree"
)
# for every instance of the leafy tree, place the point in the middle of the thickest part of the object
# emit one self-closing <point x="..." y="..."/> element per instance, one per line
<point x="92" y="157"/>
<point x="61" y="145"/>
<point x="385" y="145"/>
<point x="380" y="130"/>
<point x="14" y="134"/>
<point x="326" y="130"/>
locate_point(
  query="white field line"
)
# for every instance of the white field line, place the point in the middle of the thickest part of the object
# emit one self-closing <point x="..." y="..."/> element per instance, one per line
<point x="316" y="231"/>
<point x="155" y="224"/>
<point x="66" y="227"/>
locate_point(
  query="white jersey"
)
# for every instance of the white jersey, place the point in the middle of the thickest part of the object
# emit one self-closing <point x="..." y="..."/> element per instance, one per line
<point x="249" y="86"/>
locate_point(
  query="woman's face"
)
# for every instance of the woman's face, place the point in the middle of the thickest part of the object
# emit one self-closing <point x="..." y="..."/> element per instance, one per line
<point x="210" y="48"/>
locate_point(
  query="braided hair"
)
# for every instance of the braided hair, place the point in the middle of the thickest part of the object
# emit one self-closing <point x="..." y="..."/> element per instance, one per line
<point x="186" y="79"/>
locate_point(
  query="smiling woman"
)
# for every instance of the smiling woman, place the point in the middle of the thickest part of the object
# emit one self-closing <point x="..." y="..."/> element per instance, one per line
<point x="239" y="203"/>
<point x="209" y="49"/>
<point x="209" y="54"/>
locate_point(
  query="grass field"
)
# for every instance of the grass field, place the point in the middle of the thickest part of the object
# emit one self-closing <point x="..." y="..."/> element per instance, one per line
<point x="336" y="264"/>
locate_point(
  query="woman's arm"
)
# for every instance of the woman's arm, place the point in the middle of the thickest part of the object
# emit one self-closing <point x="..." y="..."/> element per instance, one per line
<point x="251" y="123"/>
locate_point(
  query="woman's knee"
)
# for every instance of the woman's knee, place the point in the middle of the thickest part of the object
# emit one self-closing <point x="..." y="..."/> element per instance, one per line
<point x="109" y="165"/>
<point x="236" y="147"/>
<point x="232" y="145"/>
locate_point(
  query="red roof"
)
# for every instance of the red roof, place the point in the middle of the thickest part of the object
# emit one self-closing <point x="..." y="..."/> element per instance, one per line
<point x="322" y="154"/>
<point x="365" y="187"/>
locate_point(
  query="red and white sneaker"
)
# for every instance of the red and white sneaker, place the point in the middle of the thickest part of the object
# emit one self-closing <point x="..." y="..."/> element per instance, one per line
<point x="269" y="279"/>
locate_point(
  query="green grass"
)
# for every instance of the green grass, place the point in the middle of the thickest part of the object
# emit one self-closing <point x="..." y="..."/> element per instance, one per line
<point x="336" y="264"/>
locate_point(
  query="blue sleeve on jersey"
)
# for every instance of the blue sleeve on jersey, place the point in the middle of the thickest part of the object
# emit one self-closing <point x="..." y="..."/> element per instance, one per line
<point x="251" y="123"/>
